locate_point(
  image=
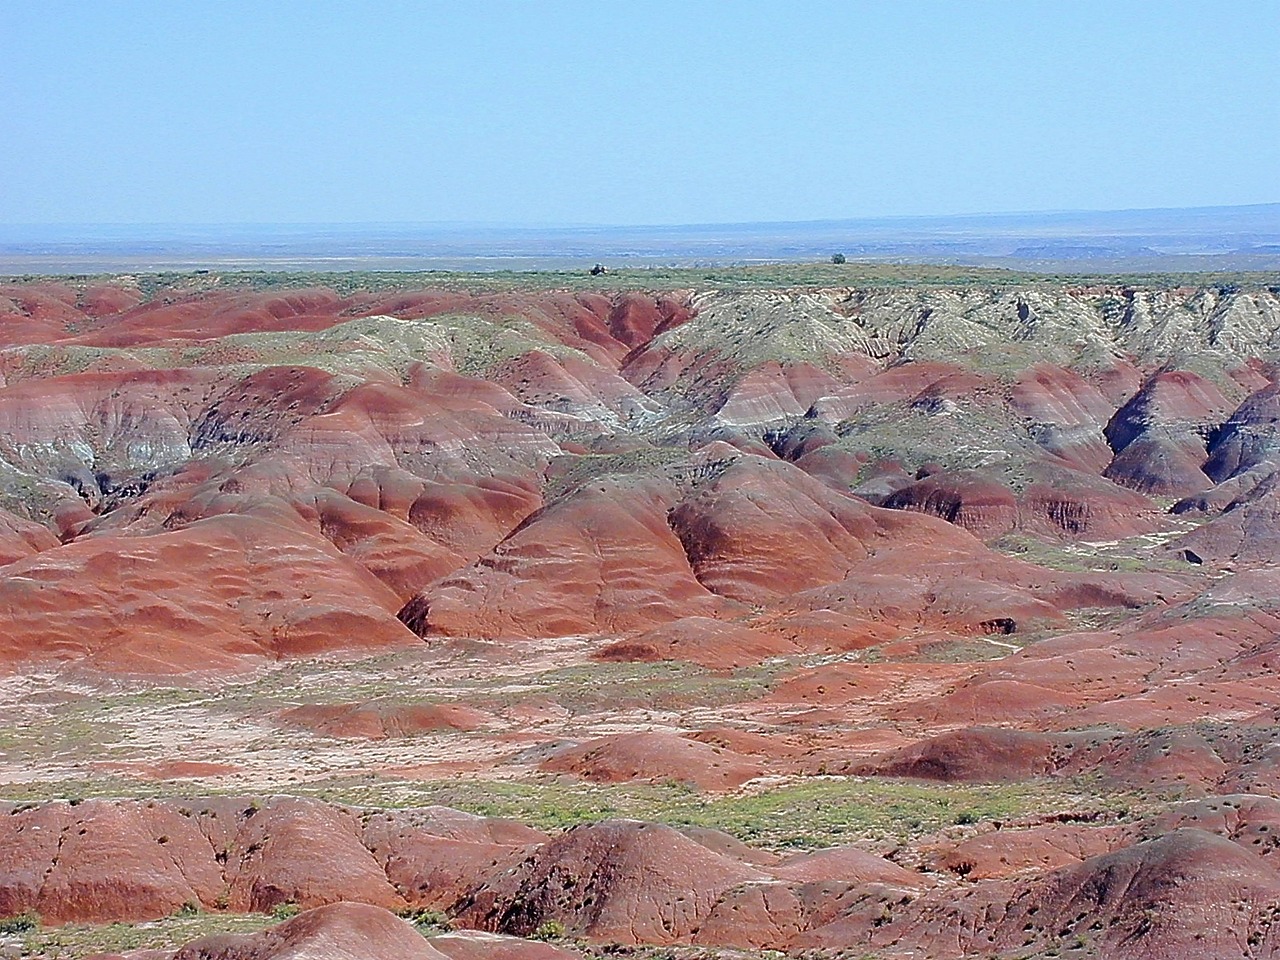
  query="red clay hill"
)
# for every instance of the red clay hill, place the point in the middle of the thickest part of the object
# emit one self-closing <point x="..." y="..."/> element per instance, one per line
<point x="691" y="548"/>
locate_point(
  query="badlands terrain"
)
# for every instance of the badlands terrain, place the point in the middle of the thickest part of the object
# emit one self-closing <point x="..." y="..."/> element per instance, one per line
<point x="838" y="611"/>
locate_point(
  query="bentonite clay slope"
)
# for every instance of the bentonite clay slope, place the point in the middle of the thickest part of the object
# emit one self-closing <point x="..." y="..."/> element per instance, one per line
<point x="986" y="542"/>
<point x="138" y="860"/>
<point x="214" y="595"/>
<point x="1202" y="887"/>
<point x="419" y="432"/>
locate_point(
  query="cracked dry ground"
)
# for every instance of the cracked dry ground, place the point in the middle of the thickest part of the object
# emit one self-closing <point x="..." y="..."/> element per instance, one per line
<point x="927" y="619"/>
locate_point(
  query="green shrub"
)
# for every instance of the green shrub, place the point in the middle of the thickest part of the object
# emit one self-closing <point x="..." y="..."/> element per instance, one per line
<point x="549" y="930"/>
<point x="427" y="921"/>
<point x="23" y="922"/>
<point x="285" y="910"/>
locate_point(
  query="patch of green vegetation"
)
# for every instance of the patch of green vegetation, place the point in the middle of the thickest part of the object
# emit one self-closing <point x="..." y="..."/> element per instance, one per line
<point x="284" y="910"/>
<point x="585" y="688"/>
<point x="804" y="814"/>
<point x="1131" y="555"/>
<point x="69" y="733"/>
<point x="761" y="275"/>
<point x="596" y="687"/>
<point x="427" y="922"/>
<point x="550" y="930"/>
<point x="807" y="813"/>
<point x="24" y="922"/>
<point x="820" y="812"/>
<point x="545" y="803"/>
<point x="915" y="436"/>
<point x="969" y="650"/>
<point x="150" y="695"/>
<point x="76" y="789"/>
<point x="475" y="344"/>
<point x="570" y="472"/>
<point x="82" y="939"/>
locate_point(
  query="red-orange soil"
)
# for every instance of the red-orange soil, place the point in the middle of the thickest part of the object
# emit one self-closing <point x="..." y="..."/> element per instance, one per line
<point x="618" y="545"/>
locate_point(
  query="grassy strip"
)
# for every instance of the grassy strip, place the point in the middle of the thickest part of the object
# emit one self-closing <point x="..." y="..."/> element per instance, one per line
<point x="84" y="939"/>
<point x="767" y="275"/>
<point x="807" y="813"/>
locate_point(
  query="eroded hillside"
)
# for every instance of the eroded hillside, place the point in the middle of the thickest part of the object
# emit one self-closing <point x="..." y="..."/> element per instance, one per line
<point x="914" y="620"/>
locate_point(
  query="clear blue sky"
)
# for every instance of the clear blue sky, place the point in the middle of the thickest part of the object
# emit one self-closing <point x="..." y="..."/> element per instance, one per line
<point x="645" y="111"/>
